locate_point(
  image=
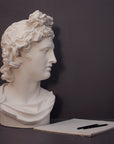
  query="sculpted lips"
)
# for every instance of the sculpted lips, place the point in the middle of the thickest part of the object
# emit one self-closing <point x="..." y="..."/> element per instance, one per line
<point x="49" y="67"/>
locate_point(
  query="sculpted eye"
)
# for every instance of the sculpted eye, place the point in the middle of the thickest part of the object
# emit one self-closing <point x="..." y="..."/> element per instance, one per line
<point x="45" y="50"/>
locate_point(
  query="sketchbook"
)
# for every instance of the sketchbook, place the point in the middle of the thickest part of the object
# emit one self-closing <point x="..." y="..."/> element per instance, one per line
<point x="78" y="127"/>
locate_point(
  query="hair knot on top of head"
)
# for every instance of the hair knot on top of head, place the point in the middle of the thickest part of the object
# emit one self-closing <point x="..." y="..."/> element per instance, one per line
<point x="38" y="19"/>
<point x="19" y="36"/>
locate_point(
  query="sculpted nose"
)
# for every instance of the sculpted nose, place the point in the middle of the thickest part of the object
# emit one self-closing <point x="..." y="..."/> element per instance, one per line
<point x="52" y="58"/>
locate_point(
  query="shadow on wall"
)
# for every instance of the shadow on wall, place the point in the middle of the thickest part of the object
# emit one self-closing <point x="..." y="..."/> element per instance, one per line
<point x="57" y="69"/>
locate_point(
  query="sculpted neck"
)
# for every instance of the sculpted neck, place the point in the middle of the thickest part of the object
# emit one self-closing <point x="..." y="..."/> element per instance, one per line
<point x="22" y="91"/>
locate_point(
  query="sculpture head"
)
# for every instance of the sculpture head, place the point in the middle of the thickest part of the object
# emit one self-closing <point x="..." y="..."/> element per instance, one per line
<point x="21" y="37"/>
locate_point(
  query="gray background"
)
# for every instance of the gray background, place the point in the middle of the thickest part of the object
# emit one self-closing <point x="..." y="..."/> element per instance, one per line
<point x="83" y="78"/>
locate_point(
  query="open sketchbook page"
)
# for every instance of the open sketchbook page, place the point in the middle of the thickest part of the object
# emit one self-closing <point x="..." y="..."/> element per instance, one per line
<point x="70" y="127"/>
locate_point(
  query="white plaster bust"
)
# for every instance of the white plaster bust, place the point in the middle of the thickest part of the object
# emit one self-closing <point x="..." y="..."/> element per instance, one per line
<point x="28" y="55"/>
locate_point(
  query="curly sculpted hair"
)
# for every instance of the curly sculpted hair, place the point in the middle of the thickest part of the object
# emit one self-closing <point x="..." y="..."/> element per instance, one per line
<point x="19" y="36"/>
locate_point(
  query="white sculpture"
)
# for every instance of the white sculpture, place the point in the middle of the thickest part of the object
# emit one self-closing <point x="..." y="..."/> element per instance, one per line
<point x="27" y="51"/>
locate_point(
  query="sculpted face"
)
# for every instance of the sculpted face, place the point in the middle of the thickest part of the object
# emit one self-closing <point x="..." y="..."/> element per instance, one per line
<point x="41" y="57"/>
